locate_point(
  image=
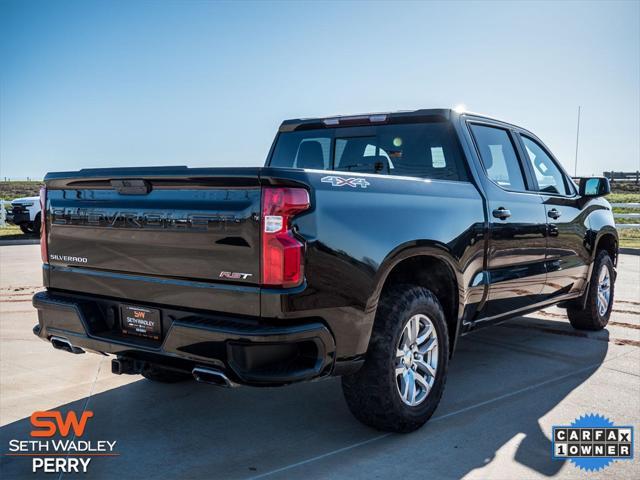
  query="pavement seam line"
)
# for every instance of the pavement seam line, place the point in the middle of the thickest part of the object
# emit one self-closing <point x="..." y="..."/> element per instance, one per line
<point x="622" y="371"/>
<point x="86" y="403"/>
<point x="442" y="417"/>
<point x="320" y="457"/>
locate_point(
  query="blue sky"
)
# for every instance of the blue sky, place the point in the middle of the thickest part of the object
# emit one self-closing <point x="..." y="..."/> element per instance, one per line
<point x="115" y="83"/>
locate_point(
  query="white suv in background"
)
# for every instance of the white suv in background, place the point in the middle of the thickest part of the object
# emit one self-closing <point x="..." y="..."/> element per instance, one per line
<point x="25" y="212"/>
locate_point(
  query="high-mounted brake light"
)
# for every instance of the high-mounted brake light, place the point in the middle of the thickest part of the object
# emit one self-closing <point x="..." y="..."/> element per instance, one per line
<point x="355" y="120"/>
<point x="281" y="250"/>
<point x="44" y="251"/>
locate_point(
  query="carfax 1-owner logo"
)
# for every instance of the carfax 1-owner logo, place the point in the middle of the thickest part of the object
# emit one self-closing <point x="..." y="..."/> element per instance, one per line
<point x="592" y="442"/>
<point x="56" y="444"/>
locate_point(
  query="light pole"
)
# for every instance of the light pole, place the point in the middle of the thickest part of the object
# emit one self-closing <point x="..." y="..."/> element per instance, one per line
<point x="575" y="166"/>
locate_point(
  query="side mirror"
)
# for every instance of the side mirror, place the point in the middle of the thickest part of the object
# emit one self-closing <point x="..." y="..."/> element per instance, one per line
<point x="594" y="187"/>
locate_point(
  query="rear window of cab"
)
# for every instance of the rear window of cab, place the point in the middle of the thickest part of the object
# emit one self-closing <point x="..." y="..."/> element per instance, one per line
<point x="425" y="150"/>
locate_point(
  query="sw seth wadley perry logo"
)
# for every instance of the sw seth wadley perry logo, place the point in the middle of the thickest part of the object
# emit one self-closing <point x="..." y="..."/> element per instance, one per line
<point x="56" y="443"/>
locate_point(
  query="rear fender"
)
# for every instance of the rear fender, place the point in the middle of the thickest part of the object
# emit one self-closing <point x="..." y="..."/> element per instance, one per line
<point x="418" y="248"/>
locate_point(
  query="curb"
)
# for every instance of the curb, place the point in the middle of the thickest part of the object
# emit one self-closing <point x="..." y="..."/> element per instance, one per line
<point x="26" y="241"/>
<point x="629" y="251"/>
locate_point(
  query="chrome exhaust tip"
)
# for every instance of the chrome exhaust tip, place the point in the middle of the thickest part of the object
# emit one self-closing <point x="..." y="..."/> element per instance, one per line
<point x="213" y="377"/>
<point x="61" y="343"/>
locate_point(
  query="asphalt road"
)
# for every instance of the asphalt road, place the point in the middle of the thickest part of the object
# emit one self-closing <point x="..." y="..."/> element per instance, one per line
<point x="506" y="388"/>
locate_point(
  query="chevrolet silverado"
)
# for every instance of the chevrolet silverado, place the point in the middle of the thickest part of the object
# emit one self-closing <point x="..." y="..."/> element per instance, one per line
<point x="364" y="248"/>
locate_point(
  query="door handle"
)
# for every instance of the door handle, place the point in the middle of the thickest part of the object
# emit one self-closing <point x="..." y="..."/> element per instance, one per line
<point x="553" y="213"/>
<point x="501" y="213"/>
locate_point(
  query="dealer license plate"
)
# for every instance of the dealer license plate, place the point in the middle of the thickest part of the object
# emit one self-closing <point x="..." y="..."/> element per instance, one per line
<point x="141" y="321"/>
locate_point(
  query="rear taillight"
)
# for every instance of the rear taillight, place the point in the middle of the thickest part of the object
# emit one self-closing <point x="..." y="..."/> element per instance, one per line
<point x="281" y="251"/>
<point x="44" y="253"/>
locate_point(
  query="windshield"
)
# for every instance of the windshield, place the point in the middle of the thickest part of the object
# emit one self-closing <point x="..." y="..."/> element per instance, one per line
<point x="425" y="150"/>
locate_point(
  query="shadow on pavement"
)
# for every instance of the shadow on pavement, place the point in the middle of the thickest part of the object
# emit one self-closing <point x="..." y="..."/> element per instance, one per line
<point x="191" y="430"/>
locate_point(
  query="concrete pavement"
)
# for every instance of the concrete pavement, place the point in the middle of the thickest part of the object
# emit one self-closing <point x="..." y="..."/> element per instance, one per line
<point x="506" y="388"/>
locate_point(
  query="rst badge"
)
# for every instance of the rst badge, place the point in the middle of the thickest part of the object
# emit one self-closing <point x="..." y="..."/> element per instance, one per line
<point x="235" y="275"/>
<point x="349" y="182"/>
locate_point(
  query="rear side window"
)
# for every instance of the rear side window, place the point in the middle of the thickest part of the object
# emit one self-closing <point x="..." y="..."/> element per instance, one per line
<point x="549" y="177"/>
<point x="427" y="150"/>
<point x="301" y="150"/>
<point x="499" y="156"/>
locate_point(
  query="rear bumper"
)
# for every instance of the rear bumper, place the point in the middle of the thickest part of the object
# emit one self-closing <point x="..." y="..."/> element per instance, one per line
<point x="247" y="350"/>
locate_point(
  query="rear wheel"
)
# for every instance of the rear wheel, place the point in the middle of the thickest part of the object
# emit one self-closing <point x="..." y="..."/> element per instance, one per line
<point x="162" y="375"/>
<point x="401" y="382"/>
<point x="599" y="303"/>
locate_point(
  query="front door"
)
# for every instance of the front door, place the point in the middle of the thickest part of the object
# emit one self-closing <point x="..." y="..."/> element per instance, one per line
<point x="567" y="256"/>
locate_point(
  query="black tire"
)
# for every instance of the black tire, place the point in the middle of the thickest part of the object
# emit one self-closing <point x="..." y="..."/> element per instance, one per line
<point x="37" y="225"/>
<point x="161" y="375"/>
<point x="27" y="228"/>
<point x="590" y="317"/>
<point x="372" y="393"/>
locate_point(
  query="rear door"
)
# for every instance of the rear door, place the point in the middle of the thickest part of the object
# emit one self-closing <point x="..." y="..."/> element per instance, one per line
<point x="567" y="259"/>
<point x="517" y="222"/>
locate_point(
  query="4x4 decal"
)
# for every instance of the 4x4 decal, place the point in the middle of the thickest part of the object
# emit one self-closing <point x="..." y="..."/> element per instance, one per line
<point x="341" y="182"/>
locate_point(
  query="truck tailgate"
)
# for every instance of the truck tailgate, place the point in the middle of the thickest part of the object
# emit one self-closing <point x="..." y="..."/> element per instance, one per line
<point x="172" y="226"/>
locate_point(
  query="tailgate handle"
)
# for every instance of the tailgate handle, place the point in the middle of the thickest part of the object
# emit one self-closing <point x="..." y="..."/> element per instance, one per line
<point x="131" y="186"/>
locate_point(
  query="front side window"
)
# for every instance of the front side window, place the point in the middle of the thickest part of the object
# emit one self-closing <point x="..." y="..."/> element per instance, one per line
<point x="550" y="178"/>
<point x="499" y="157"/>
<point x="426" y="150"/>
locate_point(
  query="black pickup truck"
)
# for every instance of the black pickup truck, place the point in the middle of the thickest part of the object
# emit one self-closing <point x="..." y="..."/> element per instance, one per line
<point x="364" y="248"/>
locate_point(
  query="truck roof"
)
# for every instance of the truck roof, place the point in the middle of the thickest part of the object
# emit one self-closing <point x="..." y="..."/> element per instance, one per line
<point x="404" y="116"/>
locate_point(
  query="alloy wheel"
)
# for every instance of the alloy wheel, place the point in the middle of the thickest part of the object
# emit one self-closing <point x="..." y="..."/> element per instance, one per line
<point x="604" y="290"/>
<point x="416" y="360"/>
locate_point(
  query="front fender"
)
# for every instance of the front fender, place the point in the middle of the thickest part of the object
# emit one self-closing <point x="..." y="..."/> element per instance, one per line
<point x="601" y="223"/>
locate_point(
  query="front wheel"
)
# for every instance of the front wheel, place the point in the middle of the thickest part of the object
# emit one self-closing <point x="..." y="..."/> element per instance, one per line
<point x="597" y="311"/>
<point x="28" y="228"/>
<point x="37" y="225"/>
<point x="401" y="382"/>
